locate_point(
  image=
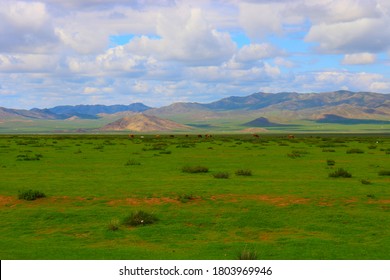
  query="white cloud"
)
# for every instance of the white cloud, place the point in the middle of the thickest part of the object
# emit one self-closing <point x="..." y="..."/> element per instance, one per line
<point x="362" y="35"/>
<point x="359" y="58"/>
<point x="334" y="80"/>
<point x="255" y="52"/>
<point x="185" y="35"/>
<point x="25" y="27"/>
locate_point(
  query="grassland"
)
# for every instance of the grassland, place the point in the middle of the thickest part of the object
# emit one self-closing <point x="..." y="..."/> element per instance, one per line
<point x="281" y="205"/>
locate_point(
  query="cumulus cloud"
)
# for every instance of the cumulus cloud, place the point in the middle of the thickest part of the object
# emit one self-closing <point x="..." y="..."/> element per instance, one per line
<point x="255" y="52"/>
<point x="185" y="36"/>
<point x="331" y="80"/>
<point x="362" y="35"/>
<point x="359" y="58"/>
<point x="25" y="27"/>
<point x="60" y="51"/>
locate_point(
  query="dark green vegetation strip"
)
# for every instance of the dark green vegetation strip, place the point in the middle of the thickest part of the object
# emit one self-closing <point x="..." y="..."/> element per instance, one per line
<point x="278" y="202"/>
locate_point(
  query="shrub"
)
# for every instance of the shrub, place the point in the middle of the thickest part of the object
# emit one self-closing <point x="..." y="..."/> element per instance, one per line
<point x="30" y="195"/>
<point x="328" y="150"/>
<point x="29" y="157"/>
<point x="247" y="255"/>
<point x="330" y="162"/>
<point x="365" y="182"/>
<point x="113" y="225"/>
<point x="195" y="169"/>
<point x="340" y="173"/>
<point x="186" y="197"/>
<point x="294" y="155"/>
<point x="221" y="175"/>
<point x="140" y="218"/>
<point x="244" y="172"/>
<point x="384" y="173"/>
<point x="132" y="162"/>
<point x="355" y="151"/>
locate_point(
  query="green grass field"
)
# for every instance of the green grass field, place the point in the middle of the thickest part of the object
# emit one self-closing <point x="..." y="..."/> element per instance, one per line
<point x="287" y="208"/>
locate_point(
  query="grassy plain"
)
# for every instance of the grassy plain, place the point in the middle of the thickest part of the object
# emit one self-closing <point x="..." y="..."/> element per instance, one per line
<point x="286" y="208"/>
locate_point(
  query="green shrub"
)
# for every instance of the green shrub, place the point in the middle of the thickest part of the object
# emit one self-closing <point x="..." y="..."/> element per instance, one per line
<point x="294" y="155"/>
<point x="195" y="169"/>
<point x="247" y="255"/>
<point x="340" y="173"/>
<point x="328" y="150"/>
<point x="132" y="162"/>
<point x="184" y="198"/>
<point x="355" y="151"/>
<point x="330" y="162"/>
<point x="29" y="157"/>
<point x="221" y="175"/>
<point x="244" y="172"/>
<point x="140" y="218"/>
<point x="384" y="173"/>
<point x="30" y="195"/>
<point x="113" y="225"/>
<point x="365" y="182"/>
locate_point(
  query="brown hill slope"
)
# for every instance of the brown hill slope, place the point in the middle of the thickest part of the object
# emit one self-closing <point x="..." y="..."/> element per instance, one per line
<point x="144" y="123"/>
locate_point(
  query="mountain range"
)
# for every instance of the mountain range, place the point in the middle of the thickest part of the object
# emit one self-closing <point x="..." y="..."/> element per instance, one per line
<point x="255" y="110"/>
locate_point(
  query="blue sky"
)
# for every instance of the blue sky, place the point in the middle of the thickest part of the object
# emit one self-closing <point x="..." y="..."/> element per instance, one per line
<point x="57" y="52"/>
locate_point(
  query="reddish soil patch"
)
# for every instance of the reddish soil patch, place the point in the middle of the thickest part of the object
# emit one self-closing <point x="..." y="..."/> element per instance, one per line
<point x="280" y="201"/>
<point x="139" y="201"/>
<point x="379" y="201"/>
<point x="8" y="201"/>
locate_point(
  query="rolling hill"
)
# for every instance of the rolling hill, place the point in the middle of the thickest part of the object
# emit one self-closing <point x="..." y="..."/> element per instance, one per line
<point x="144" y="123"/>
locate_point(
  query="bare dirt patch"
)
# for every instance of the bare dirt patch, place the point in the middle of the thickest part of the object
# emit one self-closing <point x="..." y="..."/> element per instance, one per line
<point x="140" y="201"/>
<point x="280" y="201"/>
<point x="8" y="201"/>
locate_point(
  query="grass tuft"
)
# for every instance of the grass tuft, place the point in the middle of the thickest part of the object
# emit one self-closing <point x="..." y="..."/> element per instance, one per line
<point x="221" y="175"/>
<point x="244" y="172"/>
<point x="184" y="198"/>
<point x="355" y="151"/>
<point x="247" y="255"/>
<point x="113" y="225"/>
<point x="140" y="218"/>
<point x="195" y="169"/>
<point x="330" y="162"/>
<point x="132" y="162"/>
<point x="30" y="195"/>
<point x="340" y="173"/>
<point x="384" y="173"/>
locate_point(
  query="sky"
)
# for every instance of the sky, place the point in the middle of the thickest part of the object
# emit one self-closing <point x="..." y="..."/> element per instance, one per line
<point x="69" y="52"/>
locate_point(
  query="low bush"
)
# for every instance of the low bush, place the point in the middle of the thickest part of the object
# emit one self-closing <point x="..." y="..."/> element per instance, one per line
<point x="113" y="225"/>
<point x="184" y="198"/>
<point x="328" y="150"/>
<point x="221" y="175"/>
<point x="384" y="173"/>
<point x="365" y="182"/>
<point x="195" y="169"/>
<point x="140" y="218"/>
<point x="355" y="151"/>
<point x="30" y="195"/>
<point x="244" y="172"/>
<point x="132" y="162"/>
<point x="29" y="157"/>
<point x="330" y="162"/>
<point x="247" y="255"/>
<point x="340" y="173"/>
